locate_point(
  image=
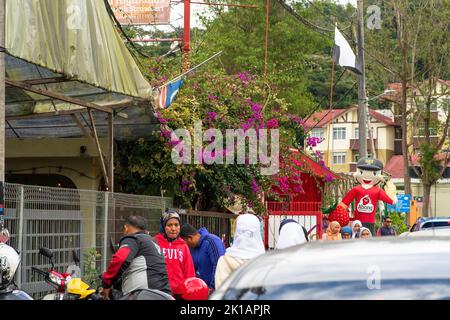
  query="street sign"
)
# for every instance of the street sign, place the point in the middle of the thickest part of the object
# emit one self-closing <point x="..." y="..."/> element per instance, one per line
<point x="403" y="204"/>
<point x="141" y="12"/>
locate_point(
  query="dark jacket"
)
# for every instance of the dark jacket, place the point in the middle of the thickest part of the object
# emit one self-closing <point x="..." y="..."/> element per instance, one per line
<point x="210" y="248"/>
<point x="140" y="263"/>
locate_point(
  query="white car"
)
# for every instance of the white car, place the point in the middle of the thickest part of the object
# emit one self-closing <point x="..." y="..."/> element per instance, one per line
<point x="430" y="232"/>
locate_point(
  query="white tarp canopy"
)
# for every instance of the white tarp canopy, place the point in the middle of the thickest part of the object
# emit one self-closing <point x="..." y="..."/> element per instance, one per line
<point x="76" y="38"/>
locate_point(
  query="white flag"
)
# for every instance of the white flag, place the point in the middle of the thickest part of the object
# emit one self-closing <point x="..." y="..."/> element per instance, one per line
<point x="343" y="53"/>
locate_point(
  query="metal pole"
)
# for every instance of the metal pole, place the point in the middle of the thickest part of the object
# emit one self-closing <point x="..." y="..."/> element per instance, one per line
<point x="2" y="89"/>
<point x="362" y="99"/>
<point x="20" y="242"/>
<point x="111" y="151"/>
<point x="105" y="231"/>
<point x="372" y="143"/>
<point x="186" y="34"/>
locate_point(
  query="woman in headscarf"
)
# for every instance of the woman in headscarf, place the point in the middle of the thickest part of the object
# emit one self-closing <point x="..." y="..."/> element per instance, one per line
<point x="333" y="231"/>
<point x="356" y="225"/>
<point x="247" y="245"/>
<point x="364" y="233"/>
<point x="291" y="233"/>
<point x="346" y="233"/>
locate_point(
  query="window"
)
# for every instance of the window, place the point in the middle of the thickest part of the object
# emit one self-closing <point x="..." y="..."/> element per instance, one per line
<point x="356" y="136"/>
<point x="434" y="106"/>
<point x="339" y="158"/>
<point x="339" y="133"/>
<point x="318" y="133"/>
<point x="421" y="132"/>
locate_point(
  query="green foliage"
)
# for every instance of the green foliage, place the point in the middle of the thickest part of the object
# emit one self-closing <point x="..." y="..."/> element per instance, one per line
<point x="90" y="270"/>
<point x="431" y="169"/>
<point x="299" y="59"/>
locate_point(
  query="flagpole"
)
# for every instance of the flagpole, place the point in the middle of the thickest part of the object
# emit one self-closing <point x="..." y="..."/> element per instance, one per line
<point x="192" y="69"/>
<point x="330" y="111"/>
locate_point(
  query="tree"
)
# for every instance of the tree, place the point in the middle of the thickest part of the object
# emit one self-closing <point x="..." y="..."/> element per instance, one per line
<point x="411" y="34"/>
<point x="299" y="58"/>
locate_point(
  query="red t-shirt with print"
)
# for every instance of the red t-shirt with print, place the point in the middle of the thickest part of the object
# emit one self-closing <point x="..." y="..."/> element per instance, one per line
<point x="366" y="201"/>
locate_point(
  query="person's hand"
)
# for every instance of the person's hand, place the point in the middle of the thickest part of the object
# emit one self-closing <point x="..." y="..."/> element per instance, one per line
<point x="391" y="190"/>
<point x="105" y="292"/>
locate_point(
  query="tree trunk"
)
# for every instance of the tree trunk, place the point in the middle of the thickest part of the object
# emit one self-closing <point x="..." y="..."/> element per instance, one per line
<point x="404" y="124"/>
<point x="426" y="199"/>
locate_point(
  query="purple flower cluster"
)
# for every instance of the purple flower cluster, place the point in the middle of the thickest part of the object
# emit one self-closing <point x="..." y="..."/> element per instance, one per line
<point x="254" y="186"/>
<point x="211" y="115"/>
<point x="185" y="185"/>
<point x="313" y="141"/>
<point x="244" y="76"/>
<point x="272" y="123"/>
<point x="212" y="97"/>
<point x="329" y="178"/>
<point x="283" y="183"/>
<point x="297" y="120"/>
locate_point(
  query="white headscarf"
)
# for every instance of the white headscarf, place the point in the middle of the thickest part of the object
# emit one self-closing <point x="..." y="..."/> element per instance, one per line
<point x="291" y="234"/>
<point x="361" y="231"/>
<point x="354" y="234"/>
<point x="247" y="242"/>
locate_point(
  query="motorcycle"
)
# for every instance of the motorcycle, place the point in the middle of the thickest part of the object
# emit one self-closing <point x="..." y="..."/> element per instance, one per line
<point x="69" y="286"/>
<point x="9" y="263"/>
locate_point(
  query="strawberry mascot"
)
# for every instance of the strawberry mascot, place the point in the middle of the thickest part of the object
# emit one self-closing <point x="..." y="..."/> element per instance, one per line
<point x="366" y="194"/>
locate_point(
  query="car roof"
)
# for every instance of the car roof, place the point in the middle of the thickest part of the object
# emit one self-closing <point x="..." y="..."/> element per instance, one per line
<point x="423" y="219"/>
<point x="441" y="231"/>
<point x="349" y="260"/>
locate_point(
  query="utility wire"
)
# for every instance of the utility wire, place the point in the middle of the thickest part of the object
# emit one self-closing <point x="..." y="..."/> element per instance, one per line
<point x="348" y="91"/>
<point x="323" y="98"/>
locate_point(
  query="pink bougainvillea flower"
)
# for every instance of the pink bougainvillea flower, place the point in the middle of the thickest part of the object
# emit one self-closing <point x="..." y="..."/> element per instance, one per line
<point x="272" y="123"/>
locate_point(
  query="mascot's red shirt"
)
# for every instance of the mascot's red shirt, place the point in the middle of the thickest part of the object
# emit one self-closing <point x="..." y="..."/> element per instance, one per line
<point x="366" y="202"/>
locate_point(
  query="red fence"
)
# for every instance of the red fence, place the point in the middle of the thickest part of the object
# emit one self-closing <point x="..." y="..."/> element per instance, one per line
<point x="308" y="214"/>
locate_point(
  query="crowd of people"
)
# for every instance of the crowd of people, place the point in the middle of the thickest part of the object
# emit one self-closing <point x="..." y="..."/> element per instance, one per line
<point x="356" y="230"/>
<point x="189" y="264"/>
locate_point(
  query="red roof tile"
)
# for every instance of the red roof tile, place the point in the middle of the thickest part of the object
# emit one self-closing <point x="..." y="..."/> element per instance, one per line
<point x="321" y="118"/>
<point x="395" y="167"/>
<point x="382" y="118"/>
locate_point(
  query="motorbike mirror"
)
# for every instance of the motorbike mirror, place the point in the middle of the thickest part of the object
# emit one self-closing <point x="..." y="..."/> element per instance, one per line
<point x="75" y="257"/>
<point x="4" y="235"/>
<point x="46" y="252"/>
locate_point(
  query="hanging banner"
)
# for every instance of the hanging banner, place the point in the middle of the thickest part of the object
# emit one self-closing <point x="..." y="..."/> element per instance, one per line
<point x="141" y="12"/>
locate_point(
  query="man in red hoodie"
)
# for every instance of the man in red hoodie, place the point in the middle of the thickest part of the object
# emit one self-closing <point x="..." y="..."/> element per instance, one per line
<point x="180" y="265"/>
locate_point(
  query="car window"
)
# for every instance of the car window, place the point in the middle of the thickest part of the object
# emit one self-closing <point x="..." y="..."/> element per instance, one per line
<point x="434" y="289"/>
<point x="436" y="224"/>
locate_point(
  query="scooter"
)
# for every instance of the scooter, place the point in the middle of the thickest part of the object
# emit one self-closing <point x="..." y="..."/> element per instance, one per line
<point x="69" y="286"/>
<point x="9" y="263"/>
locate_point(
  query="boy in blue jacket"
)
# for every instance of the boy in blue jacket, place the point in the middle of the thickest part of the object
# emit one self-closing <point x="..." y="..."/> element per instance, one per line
<point x="206" y="249"/>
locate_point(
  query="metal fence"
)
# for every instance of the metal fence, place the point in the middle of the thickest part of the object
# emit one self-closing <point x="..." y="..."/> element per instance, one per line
<point x="64" y="220"/>
<point x="68" y="219"/>
<point x="308" y="214"/>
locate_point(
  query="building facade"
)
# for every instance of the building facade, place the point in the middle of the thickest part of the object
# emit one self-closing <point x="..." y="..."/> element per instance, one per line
<point x="339" y="130"/>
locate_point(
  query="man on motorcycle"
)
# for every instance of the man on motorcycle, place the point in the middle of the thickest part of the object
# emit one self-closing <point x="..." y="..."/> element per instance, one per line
<point x="138" y="261"/>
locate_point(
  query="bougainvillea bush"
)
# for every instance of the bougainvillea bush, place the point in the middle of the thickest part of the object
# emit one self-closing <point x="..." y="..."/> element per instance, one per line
<point x="222" y="102"/>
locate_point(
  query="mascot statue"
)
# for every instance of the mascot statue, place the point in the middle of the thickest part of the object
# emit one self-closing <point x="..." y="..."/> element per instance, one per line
<point x="367" y="194"/>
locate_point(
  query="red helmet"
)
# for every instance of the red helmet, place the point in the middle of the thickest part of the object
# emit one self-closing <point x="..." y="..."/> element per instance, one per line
<point x="194" y="289"/>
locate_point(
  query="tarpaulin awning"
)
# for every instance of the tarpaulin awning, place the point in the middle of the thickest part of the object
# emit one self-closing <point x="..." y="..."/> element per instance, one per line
<point x="76" y="38"/>
<point x="66" y="54"/>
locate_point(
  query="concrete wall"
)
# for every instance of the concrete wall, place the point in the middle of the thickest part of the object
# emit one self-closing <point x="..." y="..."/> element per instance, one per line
<point x="83" y="169"/>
